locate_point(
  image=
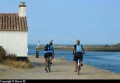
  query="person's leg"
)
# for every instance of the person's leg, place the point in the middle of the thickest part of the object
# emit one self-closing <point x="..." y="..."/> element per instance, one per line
<point x="75" y="63"/>
<point x="45" y="62"/>
<point x="52" y="56"/>
<point x="45" y="59"/>
<point x="81" y="58"/>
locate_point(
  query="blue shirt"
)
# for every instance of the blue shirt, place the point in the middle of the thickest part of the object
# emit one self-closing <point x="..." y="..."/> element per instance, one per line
<point x="50" y="49"/>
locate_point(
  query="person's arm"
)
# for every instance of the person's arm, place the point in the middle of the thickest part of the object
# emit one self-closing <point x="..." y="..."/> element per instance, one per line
<point x="74" y="50"/>
<point x="83" y="50"/>
<point x="53" y="50"/>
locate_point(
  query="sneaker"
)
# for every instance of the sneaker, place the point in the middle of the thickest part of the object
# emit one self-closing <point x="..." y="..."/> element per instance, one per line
<point x="46" y="70"/>
<point x="75" y="70"/>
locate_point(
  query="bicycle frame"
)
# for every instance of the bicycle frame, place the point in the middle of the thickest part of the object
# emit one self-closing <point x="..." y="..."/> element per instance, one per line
<point x="78" y="66"/>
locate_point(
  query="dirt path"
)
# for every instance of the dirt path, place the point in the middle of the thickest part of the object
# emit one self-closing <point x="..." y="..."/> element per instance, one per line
<point x="61" y="69"/>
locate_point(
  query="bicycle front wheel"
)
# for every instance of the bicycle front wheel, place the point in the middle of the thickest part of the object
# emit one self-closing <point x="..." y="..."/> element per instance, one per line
<point x="79" y="69"/>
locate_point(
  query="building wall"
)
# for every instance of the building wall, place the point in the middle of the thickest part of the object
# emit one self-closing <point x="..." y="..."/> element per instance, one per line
<point x="14" y="42"/>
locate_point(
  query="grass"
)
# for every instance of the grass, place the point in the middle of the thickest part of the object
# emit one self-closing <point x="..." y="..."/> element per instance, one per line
<point x="17" y="64"/>
<point x="11" y="60"/>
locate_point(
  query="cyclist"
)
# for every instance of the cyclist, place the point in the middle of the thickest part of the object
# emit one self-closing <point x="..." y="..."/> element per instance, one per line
<point x="78" y="51"/>
<point x="48" y="51"/>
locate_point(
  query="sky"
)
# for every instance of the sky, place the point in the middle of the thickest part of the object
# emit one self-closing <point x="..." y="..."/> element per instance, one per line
<point x="65" y="21"/>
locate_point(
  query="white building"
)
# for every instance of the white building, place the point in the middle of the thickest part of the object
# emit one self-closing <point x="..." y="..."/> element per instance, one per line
<point x="14" y="32"/>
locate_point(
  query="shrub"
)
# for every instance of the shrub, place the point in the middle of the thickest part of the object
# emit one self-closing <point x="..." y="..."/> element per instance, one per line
<point x="2" y="54"/>
<point x="11" y="57"/>
<point x="11" y="60"/>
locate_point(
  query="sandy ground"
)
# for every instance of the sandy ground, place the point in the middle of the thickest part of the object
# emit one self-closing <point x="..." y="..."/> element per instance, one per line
<point x="61" y="69"/>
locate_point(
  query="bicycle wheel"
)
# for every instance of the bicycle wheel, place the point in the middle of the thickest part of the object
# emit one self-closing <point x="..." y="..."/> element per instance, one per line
<point x="79" y="69"/>
<point x="46" y="67"/>
<point x="49" y="66"/>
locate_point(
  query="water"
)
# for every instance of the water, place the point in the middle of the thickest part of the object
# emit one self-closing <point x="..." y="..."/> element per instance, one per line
<point x="104" y="60"/>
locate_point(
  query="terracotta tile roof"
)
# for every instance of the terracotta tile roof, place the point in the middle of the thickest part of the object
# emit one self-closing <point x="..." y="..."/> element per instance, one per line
<point x="12" y="22"/>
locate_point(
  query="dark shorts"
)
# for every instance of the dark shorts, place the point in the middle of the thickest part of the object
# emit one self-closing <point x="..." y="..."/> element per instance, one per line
<point x="78" y="55"/>
<point x="47" y="54"/>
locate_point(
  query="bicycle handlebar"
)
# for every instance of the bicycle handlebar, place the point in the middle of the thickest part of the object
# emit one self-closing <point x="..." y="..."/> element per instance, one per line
<point x="82" y="53"/>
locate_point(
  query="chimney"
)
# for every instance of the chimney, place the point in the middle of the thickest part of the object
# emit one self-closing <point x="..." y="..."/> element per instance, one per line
<point x="22" y="9"/>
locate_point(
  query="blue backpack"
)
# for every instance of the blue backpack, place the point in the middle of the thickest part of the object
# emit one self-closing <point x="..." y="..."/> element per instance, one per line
<point x="78" y="48"/>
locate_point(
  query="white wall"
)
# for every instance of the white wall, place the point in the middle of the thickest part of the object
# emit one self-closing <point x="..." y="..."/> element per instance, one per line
<point x="14" y="42"/>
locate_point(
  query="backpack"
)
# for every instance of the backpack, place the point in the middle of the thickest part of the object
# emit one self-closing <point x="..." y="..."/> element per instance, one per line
<point x="46" y="48"/>
<point x="78" y="48"/>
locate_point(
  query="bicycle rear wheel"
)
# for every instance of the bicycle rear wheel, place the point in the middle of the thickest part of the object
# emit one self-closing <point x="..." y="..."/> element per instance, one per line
<point x="49" y="66"/>
<point x="46" y="67"/>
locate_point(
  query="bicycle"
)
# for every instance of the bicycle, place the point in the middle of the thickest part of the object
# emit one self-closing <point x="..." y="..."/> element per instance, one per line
<point x="48" y="65"/>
